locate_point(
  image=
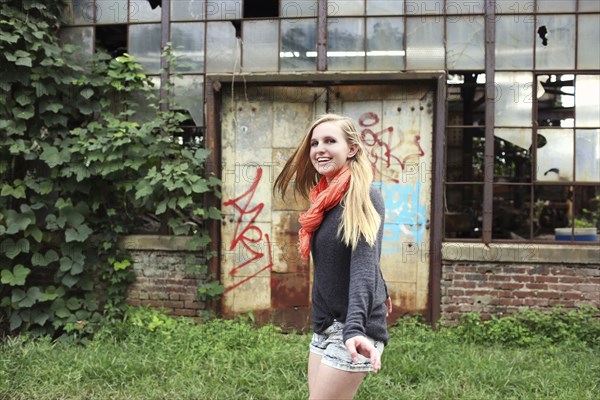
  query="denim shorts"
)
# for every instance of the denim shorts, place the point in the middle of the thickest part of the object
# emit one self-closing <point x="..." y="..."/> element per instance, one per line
<point x="330" y="346"/>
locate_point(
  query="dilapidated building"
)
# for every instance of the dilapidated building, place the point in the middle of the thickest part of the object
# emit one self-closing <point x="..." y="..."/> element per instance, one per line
<point x="481" y="118"/>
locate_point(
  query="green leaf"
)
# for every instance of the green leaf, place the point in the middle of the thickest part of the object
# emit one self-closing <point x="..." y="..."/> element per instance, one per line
<point x="201" y="186"/>
<point x="43" y="260"/>
<point x="12" y="249"/>
<point x="24" y="61"/>
<point x="24" y="112"/>
<point x="78" y="234"/>
<point x="214" y="213"/>
<point x="52" y="293"/>
<point x="17" y="295"/>
<point x="53" y="157"/>
<point x="87" y="93"/>
<point x="16" y="277"/>
<point x="24" y="99"/>
<point x="69" y="280"/>
<point x="15" y="321"/>
<point x="74" y="303"/>
<point x="40" y="317"/>
<point x="121" y="265"/>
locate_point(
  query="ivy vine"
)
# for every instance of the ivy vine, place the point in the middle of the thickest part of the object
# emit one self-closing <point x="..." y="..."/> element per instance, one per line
<point x="79" y="168"/>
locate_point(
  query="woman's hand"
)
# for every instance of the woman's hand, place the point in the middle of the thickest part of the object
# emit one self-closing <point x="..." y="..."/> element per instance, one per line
<point x="363" y="346"/>
<point x="388" y="305"/>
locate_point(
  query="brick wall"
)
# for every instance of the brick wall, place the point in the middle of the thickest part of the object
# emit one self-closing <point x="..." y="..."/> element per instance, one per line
<point x="500" y="288"/>
<point x="163" y="279"/>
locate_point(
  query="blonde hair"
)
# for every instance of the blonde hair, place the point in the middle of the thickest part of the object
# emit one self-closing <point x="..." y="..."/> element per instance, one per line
<point x="359" y="216"/>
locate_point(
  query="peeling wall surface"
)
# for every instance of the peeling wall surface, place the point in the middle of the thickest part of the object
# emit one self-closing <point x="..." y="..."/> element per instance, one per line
<point x="261" y="126"/>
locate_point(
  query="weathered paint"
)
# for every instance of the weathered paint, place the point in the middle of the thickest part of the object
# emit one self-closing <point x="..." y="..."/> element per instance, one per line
<point x="261" y="126"/>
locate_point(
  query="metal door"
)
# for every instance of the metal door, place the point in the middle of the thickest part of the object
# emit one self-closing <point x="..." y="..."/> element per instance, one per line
<point x="261" y="126"/>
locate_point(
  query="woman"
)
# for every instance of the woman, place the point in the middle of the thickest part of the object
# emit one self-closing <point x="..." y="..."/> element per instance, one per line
<point x="343" y="229"/>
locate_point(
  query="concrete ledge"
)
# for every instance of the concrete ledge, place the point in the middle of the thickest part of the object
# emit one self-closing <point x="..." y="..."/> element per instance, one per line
<point x="155" y="242"/>
<point x="521" y="253"/>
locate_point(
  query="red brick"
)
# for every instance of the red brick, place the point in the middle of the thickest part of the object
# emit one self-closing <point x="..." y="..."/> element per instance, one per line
<point x="523" y="294"/>
<point x="523" y="278"/>
<point x="465" y="284"/>
<point x="455" y="292"/>
<point x="182" y="312"/>
<point x="509" y="285"/>
<point x="572" y="279"/>
<point x="572" y="295"/>
<point x="561" y="288"/>
<point x="536" y="286"/>
<point x="548" y="295"/>
<point x="193" y="305"/>
<point x="588" y="288"/>
<point x="546" y="278"/>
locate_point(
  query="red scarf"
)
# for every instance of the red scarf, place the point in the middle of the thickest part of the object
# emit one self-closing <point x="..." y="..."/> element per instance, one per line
<point x="323" y="197"/>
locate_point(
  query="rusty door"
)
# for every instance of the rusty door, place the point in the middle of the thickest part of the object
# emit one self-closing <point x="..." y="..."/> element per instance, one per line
<point x="260" y="265"/>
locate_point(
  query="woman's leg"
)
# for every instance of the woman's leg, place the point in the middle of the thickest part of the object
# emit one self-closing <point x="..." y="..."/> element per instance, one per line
<point x="328" y="383"/>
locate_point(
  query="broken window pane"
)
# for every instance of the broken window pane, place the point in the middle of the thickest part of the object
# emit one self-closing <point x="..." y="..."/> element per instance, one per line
<point x="514" y="43"/>
<point x="556" y="100"/>
<point x="464" y="210"/>
<point x="336" y="8"/>
<point x="148" y="104"/>
<point x="551" y="210"/>
<point x="222" y="47"/>
<point x="555" y="42"/>
<point x="465" y="155"/>
<point x="385" y="44"/>
<point x="298" y="45"/>
<point x="346" y="45"/>
<point x="142" y="11"/>
<point x="261" y="45"/>
<point x="511" y="217"/>
<point x="188" y="46"/>
<point x="189" y="96"/>
<point x="512" y="155"/>
<point x="112" y="39"/>
<point x="466" y="102"/>
<point x="554" y="155"/>
<point x="465" y="43"/>
<point x="587" y="155"/>
<point x="425" y="43"/>
<point x="224" y="9"/>
<point x="298" y="9"/>
<point x="513" y="99"/>
<point x="587" y="101"/>
<point x="586" y="207"/>
<point x="82" y="37"/>
<point x="385" y="7"/>
<point x="588" y="50"/>
<point x="111" y="11"/>
<point x="187" y="10"/>
<point x="144" y="44"/>
<point x="556" y="6"/>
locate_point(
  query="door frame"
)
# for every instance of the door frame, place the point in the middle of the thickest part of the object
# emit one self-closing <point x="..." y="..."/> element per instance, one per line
<point x="436" y="79"/>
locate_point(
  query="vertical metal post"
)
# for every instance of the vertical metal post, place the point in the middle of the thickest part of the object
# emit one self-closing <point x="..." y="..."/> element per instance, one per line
<point x="322" y="35"/>
<point x="165" y="36"/>
<point x="490" y="98"/>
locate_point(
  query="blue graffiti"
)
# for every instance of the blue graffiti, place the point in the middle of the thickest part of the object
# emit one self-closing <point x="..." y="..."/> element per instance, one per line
<point x="404" y="213"/>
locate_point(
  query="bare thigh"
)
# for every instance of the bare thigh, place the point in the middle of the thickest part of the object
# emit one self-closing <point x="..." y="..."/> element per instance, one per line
<point x="328" y="383"/>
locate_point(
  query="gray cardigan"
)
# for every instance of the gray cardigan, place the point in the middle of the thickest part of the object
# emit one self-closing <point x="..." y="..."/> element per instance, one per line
<point x="348" y="285"/>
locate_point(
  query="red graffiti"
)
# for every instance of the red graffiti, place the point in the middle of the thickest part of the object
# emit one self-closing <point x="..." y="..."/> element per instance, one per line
<point x="379" y="145"/>
<point x="247" y="234"/>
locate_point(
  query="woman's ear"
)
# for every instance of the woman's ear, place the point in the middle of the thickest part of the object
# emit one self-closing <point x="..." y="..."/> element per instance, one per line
<point x="353" y="150"/>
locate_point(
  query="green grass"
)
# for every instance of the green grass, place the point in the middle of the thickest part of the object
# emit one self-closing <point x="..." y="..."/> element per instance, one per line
<point x="161" y="359"/>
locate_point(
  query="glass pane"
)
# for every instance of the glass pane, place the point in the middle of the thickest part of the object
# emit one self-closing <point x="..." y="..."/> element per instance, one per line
<point x="385" y="43"/>
<point x="346" y="45"/>
<point x="556" y="100"/>
<point x="148" y="103"/>
<point x="144" y="44"/>
<point x="589" y="5"/>
<point x="465" y="43"/>
<point x="261" y="45"/>
<point x="336" y="8"/>
<point x="297" y="9"/>
<point x="82" y="37"/>
<point x="555" y="42"/>
<point x="464" y="210"/>
<point x="514" y="43"/>
<point x="587" y="101"/>
<point x="556" y="5"/>
<point x="587" y="155"/>
<point x="188" y="45"/>
<point x="385" y="7"/>
<point x="433" y="7"/>
<point x="465" y="96"/>
<point x="554" y="155"/>
<point x="465" y="7"/>
<point x="224" y="9"/>
<point x="425" y="43"/>
<point x="514" y="6"/>
<point x="80" y="12"/>
<point x="511" y="217"/>
<point x="551" y="210"/>
<point x="586" y="207"/>
<point x="141" y="11"/>
<point x="512" y="155"/>
<point x="298" y="45"/>
<point x="111" y="11"/>
<point x="189" y="96"/>
<point x="465" y="155"/>
<point x="222" y="48"/>
<point x="588" y="50"/>
<point x="513" y="98"/>
<point x="187" y="10"/>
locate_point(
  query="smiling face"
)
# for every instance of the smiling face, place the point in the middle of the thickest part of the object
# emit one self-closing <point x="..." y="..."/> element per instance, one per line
<point x="329" y="149"/>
